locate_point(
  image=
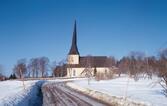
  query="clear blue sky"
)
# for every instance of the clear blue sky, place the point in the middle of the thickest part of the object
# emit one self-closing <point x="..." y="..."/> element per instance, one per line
<point x="34" y="28"/>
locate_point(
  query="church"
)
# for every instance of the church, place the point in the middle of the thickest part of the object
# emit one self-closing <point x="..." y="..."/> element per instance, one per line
<point x="85" y="66"/>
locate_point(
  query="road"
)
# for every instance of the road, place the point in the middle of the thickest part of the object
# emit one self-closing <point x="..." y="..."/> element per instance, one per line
<point x="58" y="94"/>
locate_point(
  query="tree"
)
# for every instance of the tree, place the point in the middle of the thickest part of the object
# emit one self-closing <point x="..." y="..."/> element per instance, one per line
<point x="151" y="66"/>
<point x="88" y="71"/>
<point x="33" y="66"/>
<point x="2" y="77"/>
<point x="132" y="65"/>
<point x="136" y="64"/>
<point x="60" y="68"/>
<point x="123" y="64"/>
<point x="53" y="68"/>
<point x="20" y="69"/>
<point x="1" y="70"/>
<point x="162" y="66"/>
<point x="12" y="76"/>
<point x="63" y="72"/>
<point x="111" y="63"/>
<point x="43" y="65"/>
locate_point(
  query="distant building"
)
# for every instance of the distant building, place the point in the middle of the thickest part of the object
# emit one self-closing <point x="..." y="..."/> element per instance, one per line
<point x="77" y="66"/>
<point x="2" y="78"/>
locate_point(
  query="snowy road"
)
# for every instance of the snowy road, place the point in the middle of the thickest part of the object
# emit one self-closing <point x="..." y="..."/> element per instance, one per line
<point x="57" y="94"/>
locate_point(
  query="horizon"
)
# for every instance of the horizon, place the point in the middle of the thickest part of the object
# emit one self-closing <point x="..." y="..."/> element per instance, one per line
<point x="32" y="29"/>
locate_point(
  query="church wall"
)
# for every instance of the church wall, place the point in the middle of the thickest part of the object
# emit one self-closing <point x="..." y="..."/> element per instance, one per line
<point x="73" y="59"/>
<point x="76" y="72"/>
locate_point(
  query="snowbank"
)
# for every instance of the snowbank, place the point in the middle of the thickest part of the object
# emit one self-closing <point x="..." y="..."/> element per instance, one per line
<point x="145" y="90"/>
<point x="112" y="100"/>
<point x="12" y="93"/>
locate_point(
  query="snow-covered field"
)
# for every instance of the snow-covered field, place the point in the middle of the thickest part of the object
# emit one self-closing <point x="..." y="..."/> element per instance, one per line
<point x="13" y="93"/>
<point x="144" y="90"/>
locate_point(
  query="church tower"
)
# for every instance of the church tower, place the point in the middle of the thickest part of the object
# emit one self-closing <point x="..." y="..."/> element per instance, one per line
<point x="73" y="55"/>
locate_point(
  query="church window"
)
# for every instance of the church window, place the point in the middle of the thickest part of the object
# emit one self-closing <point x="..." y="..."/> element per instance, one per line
<point x="74" y="73"/>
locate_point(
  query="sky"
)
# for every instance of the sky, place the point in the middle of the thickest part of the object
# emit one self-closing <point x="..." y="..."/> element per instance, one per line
<point x="35" y="28"/>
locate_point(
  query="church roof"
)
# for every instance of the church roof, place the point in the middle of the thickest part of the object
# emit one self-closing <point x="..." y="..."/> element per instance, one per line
<point x="74" y="49"/>
<point x="91" y="61"/>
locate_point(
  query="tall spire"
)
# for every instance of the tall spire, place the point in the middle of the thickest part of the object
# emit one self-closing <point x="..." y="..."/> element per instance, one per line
<point x="74" y="49"/>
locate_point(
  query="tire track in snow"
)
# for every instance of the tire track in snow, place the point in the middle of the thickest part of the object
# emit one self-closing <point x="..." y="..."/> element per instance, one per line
<point x="57" y="94"/>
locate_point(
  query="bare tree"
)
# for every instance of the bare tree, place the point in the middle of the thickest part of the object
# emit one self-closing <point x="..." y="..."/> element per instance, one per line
<point x="1" y="70"/>
<point x="151" y="66"/>
<point x="162" y="65"/>
<point x="33" y="66"/>
<point x="2" y="77"/>
<point x="111" y="63"/>
<point x="43" y="65"/>
<point x="88" y="71"/>
<point x="20" y="69"/>
<point x="53" y="68"/>
<point x="132" y="65"/>
<point x="123" y="64"/>
<point x="60" y="69"/>
<point x="136" y="64"/>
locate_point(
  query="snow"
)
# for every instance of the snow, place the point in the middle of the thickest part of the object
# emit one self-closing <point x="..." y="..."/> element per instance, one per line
<point x="13" y="93"/>
<point x="58" y="92"/>
<point x="144" y="90"/>
<point x="111" y="100"/>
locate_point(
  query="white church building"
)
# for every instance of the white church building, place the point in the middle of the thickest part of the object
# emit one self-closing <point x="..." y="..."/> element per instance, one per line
<point x="78" y="66"/>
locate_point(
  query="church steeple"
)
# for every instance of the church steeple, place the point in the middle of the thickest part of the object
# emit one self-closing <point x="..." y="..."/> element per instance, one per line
<point x="74" y="49"/>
